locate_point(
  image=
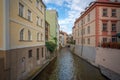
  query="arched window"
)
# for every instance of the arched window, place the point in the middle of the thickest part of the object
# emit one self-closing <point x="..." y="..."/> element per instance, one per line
<point x="38" y="36"/>
<point x="29" y="35"/>
<point x="22" y="34"/>
<point x="41" y="36"/>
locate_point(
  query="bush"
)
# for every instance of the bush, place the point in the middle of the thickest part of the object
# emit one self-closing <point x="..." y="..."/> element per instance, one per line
<point x="104" y="45"/>
<point x="51" y="46"/>
<point x="118" y="46"/>
<point x="111" y="45"/>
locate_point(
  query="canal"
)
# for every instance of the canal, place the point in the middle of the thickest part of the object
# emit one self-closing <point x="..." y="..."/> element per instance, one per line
<point x="68" y="66"/>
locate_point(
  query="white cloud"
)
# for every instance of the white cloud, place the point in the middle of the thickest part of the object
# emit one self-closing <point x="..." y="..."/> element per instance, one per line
<point x="59" y="2"/>
<point x="75" y="6"/>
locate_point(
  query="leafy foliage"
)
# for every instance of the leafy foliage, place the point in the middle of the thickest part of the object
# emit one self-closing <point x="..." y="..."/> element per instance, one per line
<point x="51" y="46"/>
<point x="111" y="45"/>
<point x="55" y="39"/>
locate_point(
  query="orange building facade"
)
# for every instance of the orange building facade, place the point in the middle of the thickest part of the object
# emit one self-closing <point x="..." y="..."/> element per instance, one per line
<point x="99" y="23"/>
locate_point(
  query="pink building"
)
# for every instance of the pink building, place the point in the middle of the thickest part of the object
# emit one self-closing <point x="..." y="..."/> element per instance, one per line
<point x="98" y="23"/>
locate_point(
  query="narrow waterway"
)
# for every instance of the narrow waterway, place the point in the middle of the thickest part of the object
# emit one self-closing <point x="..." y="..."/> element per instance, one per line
<point x="68" y="66"/>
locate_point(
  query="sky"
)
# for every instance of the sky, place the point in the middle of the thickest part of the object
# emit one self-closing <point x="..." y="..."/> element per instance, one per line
<point x="68" y="11"/>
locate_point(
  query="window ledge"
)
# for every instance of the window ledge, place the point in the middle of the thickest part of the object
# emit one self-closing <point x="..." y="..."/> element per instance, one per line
<point x="104" y="31"/>
<point x="42" y="40"/>
<point x="39" y="9"/>
<point x="39" y="25"/>
<point x="25" y="40"/>
<point x="38" y="41"/>
<point x="29" y="40"/>
<point x="113" y="31"/>
<point x="30" y="1"/>
<point x="29" y="20"/>
<point x="25" y="18"/>
<point x="104" y="16"/>
<point x="114" y="16"/>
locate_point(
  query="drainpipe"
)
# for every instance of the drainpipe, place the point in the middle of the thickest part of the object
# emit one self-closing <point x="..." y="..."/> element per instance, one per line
<point x="82" y="40"/>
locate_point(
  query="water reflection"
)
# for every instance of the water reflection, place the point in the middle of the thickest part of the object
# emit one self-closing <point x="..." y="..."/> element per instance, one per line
<point x="69" y="67"/>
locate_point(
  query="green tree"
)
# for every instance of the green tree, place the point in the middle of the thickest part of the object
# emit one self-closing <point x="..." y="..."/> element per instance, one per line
<point x="51" y="46"/>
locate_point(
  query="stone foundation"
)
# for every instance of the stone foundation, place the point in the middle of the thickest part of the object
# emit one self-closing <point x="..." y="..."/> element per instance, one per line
<point x="110" y="74"/>
<point x="18" y="63"/>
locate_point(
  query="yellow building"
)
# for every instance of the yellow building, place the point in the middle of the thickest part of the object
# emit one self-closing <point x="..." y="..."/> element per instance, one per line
<point x="22" y="37"/>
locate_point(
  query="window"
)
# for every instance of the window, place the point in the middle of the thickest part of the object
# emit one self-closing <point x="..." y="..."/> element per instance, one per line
<point x="104" y="40"/>
<point x="113" y="27"/>
<point x="29" y="53"/>
<point x="41" y="8"/>
<point x="114" y="39"/>
<point x="88" y="29"/>
<point x="88" y="17"/>
<point x="41" y="36"/>
<point x="38" y="19"/>
<point x="105" y="12"/>
<point x="22" y="34"/>
<point x="78" y="32"/>
<point x="42" y="52"/>
<point x="37" y="54"/>
<point x="23" y="64"/>
<point x="83" y="31"/>
<point x="41" y="22"/>
<point x="29" y="15"/>
<point x="38" y="36"/>
<point x="88" y="40"/>
<point x="113" y="12"/>
<point x="81" y="22"/>
<point x="30" y="1"/>
<point x="84" y="21"/>
<point x="78" y="24"/>
<point x="104" y="26"/>
<point x="37" y="3"/>
<point x="21" y="10"/>
<point x="29" y="35"/>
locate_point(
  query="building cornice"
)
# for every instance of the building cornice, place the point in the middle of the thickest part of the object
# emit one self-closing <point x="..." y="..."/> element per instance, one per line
<point x="24" y="24"/>
<point x="26" y="46"/>
<point x="91" y="7"/>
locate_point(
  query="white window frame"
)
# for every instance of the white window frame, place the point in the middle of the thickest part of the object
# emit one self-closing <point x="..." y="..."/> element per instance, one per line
<point x="21" y="10"/>
<point x="22" y="34"/>
<point x="29" y="15"/>
<point x="29" y="35"/>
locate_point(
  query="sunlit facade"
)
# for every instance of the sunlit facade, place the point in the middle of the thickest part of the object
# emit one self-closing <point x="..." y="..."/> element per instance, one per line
<point x="22" y="37"/>
<point x="99" y="23"/>
<point x="52" y="19"/>
<point x="63" y="39"/>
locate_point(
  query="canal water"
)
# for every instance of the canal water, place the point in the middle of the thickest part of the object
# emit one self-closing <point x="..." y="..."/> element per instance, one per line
<point x="68" y="66"/>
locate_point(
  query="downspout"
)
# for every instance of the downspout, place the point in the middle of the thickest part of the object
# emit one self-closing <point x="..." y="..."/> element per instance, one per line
<point x="82" y="40"/>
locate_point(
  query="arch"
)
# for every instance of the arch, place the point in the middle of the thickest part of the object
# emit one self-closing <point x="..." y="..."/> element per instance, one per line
<point x="22" y="34"/>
